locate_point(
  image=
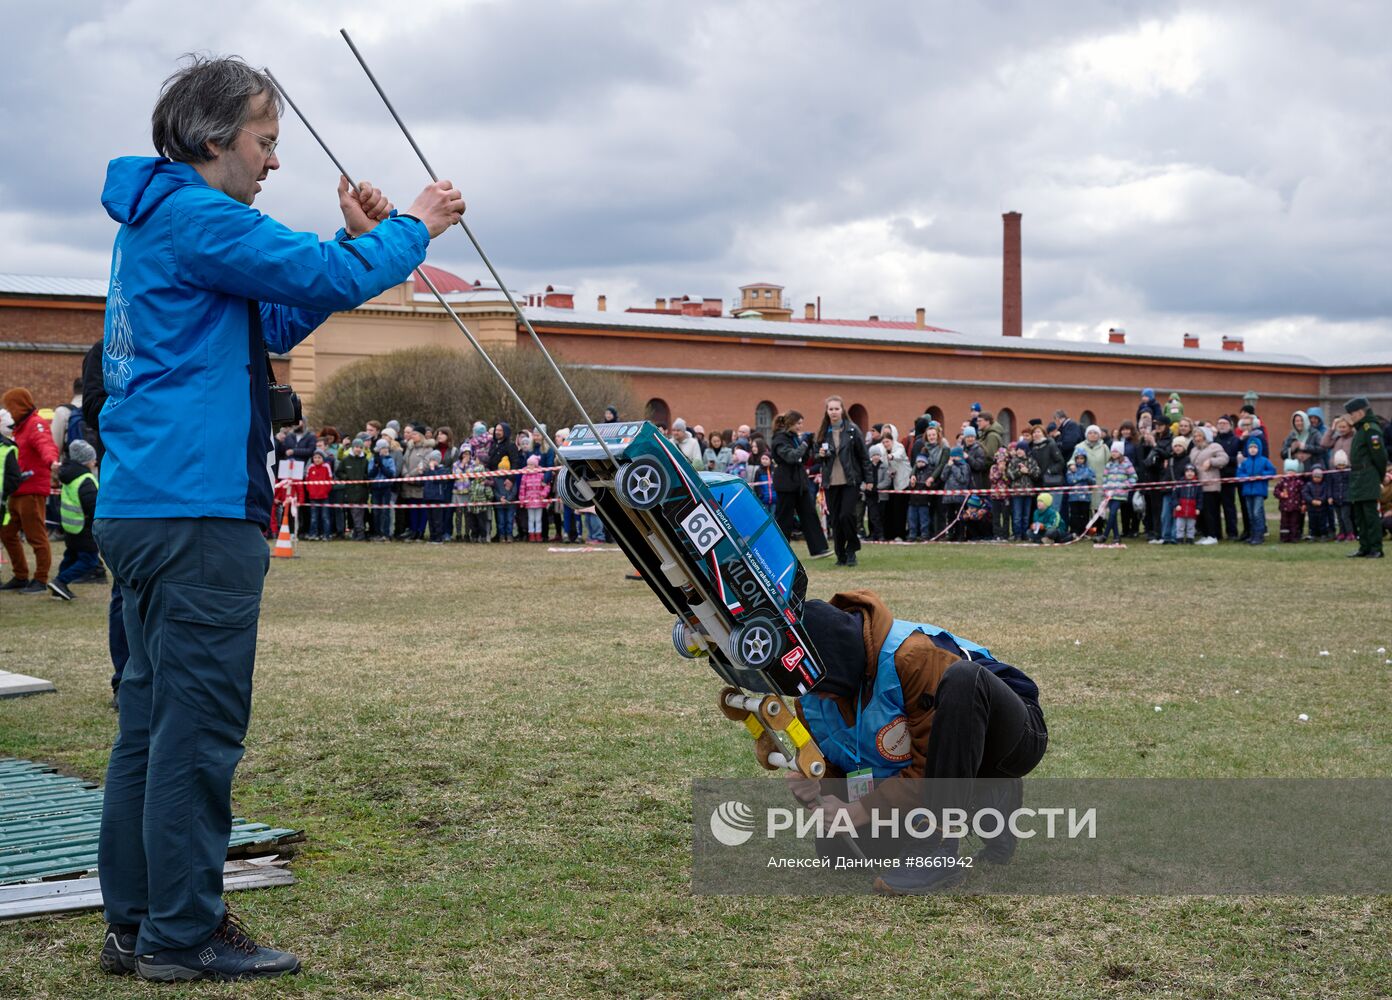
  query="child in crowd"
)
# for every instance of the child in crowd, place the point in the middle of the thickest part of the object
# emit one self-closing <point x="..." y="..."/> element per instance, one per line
<point x="957" y="476"/>
<point x="879" y="480"/>
<point x="1118" y="477"/>
<point x="739" y="463"/>
<point x="77" y="505"/>
<point x="1186" y="506"/>
<point x="1254" y="488"/>
<point x="534" y="493"/>
<point x="436" y="492"/>
<point x="1021" y="473"/>
<point x="459" y="495"/>
<point x="1047" y="525"/>
<point x="763" y="480"/>
<point x="1316" y="496"/>
<point x="318" y="482"/>
<point x="1079" y="474"/>
<point x="1290" y="496"/>
<point x="480" y="496"/>
<point x="382" y="471"/>
<point x="1340" y="505"/>
<point x="920" y="513"/>
<point x="998" y="478"/>
<point x="505" y="498"/>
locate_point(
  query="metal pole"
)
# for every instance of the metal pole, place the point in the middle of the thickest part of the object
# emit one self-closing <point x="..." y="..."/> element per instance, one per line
<point x="428" y="283"/>
<point x="482" y="256"/>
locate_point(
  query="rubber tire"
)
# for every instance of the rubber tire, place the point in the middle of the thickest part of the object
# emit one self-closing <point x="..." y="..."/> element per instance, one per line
<point x="651" y="478"/>
<point x="566" y="489"/>
<point x="773" y="645"/>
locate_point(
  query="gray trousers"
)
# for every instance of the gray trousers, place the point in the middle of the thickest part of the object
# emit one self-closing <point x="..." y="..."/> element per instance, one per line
<point x="191" y="589"/>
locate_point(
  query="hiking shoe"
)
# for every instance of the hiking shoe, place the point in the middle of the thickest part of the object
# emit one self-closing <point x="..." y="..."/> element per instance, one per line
<point x="821" y="555"/>
<point x="15" y="583"/>
<point x="924" y="871"/>
<point x="851" y="559"/>
<point x="34" y="587"/>
<point x="96" y="576"/>
<point x="61" y="590"/>
<point x="228" y="954"/>
<point x="118" y="949"/>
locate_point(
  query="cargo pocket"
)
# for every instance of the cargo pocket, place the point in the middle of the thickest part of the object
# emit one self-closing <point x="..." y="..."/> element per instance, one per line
<point x="209" y="651"/>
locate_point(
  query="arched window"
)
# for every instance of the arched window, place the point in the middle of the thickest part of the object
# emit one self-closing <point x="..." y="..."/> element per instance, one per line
<point x="1007" y="420"/>
<point x="763" y="418"/>
<point x="658" y="412"/>
<point x="1086" y="419"/>
<point x="935" y="412"/>
<point x="858" y="416"/>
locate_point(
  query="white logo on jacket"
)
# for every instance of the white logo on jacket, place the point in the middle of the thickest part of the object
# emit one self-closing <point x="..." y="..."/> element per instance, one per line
<point x="119" y="346"/>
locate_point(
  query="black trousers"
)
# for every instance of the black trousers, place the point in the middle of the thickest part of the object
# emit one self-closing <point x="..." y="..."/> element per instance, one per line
<point x="1228" y="499"/>
<point x="801" y="504"/>
<point x="841" y="518"/>
<point x="1209" y="516"/>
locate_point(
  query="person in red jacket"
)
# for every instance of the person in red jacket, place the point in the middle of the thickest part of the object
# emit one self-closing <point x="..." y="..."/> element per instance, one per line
<point x="38" y="457"/>
<point x="318" y="482"/>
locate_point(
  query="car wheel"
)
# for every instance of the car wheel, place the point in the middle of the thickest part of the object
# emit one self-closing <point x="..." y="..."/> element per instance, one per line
<point x="642" y="483"/>
<point x="684" y="639"/>
<point x="573" y="490"/>
<point x="756" y="644"/>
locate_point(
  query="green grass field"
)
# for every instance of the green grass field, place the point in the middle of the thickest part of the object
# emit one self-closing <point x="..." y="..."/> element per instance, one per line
<point x="490" y="750"/>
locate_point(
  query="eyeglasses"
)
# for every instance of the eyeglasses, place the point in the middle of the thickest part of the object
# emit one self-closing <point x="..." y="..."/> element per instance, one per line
<point x="267" y="145"/>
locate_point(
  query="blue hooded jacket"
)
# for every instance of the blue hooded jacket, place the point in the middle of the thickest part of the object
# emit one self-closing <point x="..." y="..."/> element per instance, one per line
<point x="199" y="282"/>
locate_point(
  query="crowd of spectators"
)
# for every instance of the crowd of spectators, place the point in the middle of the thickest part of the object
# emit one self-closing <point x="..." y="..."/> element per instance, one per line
<point x="1166" y="476"/>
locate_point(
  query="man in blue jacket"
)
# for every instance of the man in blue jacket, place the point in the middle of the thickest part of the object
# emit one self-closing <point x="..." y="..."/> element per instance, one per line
<point x="202" y="287"/>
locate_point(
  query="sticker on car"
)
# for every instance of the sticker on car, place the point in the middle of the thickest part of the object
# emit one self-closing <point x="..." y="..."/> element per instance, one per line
<point x="701" y="527"/>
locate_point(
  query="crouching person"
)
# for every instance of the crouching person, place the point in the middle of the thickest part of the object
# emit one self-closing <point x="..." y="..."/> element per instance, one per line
<point x="1047" y="524"/>
<point x="903" y="701"/>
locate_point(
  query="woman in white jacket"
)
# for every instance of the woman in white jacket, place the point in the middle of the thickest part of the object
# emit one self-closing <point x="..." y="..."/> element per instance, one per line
<point x="896" y="505"/>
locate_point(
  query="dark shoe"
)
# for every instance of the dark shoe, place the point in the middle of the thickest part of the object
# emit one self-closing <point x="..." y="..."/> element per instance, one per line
<point x="1360" y="554"/>
<point x="118" y="949"/>
<point x="61" y="590"/>
<point x="1373" y="555"/>
<point x="34" y="587"/>
<point x="15" y="583"/>
<point x="924" y="871"/>
<point x="821" y="555"/>
<point x="851" y="560"/>
<point x="116" y="699"/>
<point x="229" y="954"/>
<point x="97" y="576"/>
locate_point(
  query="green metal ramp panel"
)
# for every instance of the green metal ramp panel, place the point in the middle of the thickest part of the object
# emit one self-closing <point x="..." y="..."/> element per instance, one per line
<point x="49" y="824"/>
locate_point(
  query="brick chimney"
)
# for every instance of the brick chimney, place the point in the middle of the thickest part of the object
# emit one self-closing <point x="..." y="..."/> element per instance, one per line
<point x="1012" y="305"/>
<point x="603" y="304"/>
<point x="809" y="311"/>
<point x="662" y="303"/>
<point x="1232" y="343"/>
<point x="558" y="298"/>
<point x="920" y="317"/>
<point x="1116" y="336"/>
<point x="1191" y="340"/>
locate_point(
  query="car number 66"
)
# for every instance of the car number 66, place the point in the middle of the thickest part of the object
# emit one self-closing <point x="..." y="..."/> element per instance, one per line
<point x="700" y="526"/>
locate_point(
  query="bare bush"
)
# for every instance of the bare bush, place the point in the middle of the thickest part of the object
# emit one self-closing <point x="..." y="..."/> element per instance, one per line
<point x="439" y="386"/>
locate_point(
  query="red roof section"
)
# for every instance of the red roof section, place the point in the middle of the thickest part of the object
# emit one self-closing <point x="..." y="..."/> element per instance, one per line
<point x="444" y="280"/>
<point x="876" y="324"/>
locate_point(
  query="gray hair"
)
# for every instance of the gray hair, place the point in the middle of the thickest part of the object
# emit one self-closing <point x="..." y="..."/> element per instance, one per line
<point x="208" y="100"/>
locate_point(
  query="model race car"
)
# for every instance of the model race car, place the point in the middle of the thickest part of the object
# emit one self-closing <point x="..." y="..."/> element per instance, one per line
<point x="717" y="560"/>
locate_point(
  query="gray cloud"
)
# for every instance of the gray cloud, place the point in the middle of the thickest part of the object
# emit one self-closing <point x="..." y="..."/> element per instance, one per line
<point x="1179" y="166"/>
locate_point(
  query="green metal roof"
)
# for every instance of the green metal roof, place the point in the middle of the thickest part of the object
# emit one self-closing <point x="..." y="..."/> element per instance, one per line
<point x="49" y="824"/>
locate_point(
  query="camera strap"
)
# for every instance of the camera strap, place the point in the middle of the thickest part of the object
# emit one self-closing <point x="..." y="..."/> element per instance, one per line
<point x="254" y="325"/>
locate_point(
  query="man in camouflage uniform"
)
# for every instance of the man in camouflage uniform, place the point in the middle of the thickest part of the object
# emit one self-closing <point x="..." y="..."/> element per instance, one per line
<point x="1367" y="465"/>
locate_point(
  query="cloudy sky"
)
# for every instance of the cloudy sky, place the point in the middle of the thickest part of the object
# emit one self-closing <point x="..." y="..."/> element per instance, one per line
<point x="1217" y="168"/>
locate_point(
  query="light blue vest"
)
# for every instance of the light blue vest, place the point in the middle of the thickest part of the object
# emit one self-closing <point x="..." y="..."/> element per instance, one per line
<point x="879" y="738"/>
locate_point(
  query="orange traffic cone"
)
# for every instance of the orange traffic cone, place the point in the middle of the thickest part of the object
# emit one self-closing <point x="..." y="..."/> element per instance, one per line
<point x="285" y="545"/>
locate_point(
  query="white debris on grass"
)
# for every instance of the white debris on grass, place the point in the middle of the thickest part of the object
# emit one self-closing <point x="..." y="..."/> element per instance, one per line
<point x="1158" y="708"/>
<point x="1303" y="717"/>
<point x="1324" y="652"/>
